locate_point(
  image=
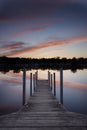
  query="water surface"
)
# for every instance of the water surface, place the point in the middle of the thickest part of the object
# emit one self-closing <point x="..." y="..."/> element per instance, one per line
<point x="74" y="90"/>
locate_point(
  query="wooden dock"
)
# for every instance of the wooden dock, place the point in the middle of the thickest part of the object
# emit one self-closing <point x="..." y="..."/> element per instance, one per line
<point x="43" y="112"/>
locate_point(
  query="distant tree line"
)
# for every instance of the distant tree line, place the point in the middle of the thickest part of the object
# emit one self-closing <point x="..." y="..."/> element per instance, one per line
<point x="43" y="63"/>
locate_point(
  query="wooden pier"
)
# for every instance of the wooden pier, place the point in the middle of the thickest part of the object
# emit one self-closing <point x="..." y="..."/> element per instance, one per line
<point x="43" y="112"/>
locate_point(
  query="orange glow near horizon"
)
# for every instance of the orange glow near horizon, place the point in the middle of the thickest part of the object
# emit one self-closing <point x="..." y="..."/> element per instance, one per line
<point x="46" y="49"/>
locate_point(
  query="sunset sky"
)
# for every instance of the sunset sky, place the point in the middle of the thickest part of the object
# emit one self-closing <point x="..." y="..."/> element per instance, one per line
<point x="43" y="28"/>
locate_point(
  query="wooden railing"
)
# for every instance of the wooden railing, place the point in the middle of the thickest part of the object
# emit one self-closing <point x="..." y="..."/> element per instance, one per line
<point x="51" y="82"/>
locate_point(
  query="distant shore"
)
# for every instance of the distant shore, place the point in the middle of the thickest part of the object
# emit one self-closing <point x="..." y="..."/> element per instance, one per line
<point x="16" y="64"/>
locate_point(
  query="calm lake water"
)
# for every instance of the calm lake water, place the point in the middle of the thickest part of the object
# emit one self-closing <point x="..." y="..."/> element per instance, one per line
<point x="74" y="90"/>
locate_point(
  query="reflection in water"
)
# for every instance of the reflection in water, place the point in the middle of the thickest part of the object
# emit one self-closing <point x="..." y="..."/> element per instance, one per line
<point x="74" y="70"/>
<point x="16" y="69"/>
<point x="73" y="93"/>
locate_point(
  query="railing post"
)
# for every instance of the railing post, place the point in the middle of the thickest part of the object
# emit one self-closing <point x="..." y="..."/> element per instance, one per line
<point x="61" y="85"/>
<point x="49" y="78"/>
<point x="51" y="82"/>
<point x="36" y="77"/>
<point x="34" y="81"/>
<point x="54" y="85"/>
<point x="24" y="86"/>
<point x="30" y="84"/>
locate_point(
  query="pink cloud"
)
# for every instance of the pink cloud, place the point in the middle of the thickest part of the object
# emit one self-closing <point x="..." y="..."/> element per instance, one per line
<point x="19" y="49"/>
<point x="7" y="49"/>
<point x="53" y="43"/>
<point x="12" y="46"/>
<point x="26" y="32"/>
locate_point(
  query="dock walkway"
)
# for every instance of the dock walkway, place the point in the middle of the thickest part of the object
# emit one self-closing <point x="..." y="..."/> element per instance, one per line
<point x="43" y="112"/>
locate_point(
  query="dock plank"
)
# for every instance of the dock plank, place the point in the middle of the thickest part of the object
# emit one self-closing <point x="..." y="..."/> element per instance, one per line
<point x="43" y="112"/>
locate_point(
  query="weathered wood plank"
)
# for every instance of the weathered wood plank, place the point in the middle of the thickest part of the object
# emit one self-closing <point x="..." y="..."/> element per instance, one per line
<point x="43" y="112"/>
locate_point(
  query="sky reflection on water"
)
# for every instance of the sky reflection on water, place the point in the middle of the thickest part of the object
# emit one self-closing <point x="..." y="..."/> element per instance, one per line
<point x="74" y="90"/>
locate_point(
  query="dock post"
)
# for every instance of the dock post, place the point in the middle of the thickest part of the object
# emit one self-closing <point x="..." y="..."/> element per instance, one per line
<point x="48" y="75"/>
<point x="30" y="84"/>
<point x="24" y="86"/>
<point x="49" y="78"/>
<point x="54" y="85"/>
<point x="51" y="82"/>
<point x="34" y="81"/>
<point x="61" y="85"/>
<point x="36" y="77"/>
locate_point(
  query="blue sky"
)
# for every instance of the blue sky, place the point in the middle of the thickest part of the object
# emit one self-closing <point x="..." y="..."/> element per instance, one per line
<point x="49" y="28"/>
